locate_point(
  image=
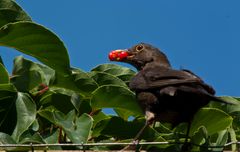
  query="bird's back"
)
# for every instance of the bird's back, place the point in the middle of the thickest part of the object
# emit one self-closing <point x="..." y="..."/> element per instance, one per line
<point x="177" y="94"/>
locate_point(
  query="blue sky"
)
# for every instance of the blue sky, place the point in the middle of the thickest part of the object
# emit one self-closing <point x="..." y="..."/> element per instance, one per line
<point x="202" y="36"/>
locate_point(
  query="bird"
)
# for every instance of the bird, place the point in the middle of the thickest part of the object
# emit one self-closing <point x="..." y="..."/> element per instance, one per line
<point x="164" y="94"/>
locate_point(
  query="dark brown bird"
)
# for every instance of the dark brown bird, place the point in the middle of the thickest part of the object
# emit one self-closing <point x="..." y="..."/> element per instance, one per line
<point x="165" y="94"/>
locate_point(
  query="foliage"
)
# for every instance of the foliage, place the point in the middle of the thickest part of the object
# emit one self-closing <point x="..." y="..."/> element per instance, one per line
<point x="50" y="102"/>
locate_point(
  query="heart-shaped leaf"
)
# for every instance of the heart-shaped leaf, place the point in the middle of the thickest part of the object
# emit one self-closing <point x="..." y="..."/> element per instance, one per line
<point x="76" y="128"/>
<point x="26" y="114"/>
<point x="214" y="120"/>
<point x="113" y="96"/>
<point x="24" y="68"/>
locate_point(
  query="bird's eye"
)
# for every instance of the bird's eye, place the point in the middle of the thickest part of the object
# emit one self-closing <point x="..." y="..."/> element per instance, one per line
<point x="139" y="48"/>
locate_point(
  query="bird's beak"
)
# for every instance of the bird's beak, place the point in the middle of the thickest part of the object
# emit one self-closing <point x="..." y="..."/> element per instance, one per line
<point x="119" y="55"/>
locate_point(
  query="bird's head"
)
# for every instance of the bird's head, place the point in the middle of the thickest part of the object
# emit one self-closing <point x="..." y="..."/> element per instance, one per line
<point x="140" y="55"/>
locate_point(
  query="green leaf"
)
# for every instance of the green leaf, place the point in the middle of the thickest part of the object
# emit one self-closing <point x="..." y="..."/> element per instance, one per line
<point x="53" y="138"/>
<point x="49" y="114"/>
<point x="10" y="11"/>
<point x="221" y="140"/>
<point x="124" y="114"/>
<point x="120" y="129"/>
<point x="113" y="69"/>
<point x="84" y="82"/>
<point x="158" y="139"/>
<point x="8" y="116"/>
<point x="121" y="72"/>
<point x="112" y="96"/>
<point x="76" y="128"/>
<point x="27" y="81"/>
<point x="78" y="81"/>
<point x="214" y="120"/>
<point x="105" y="78"/>
<point x="29" y="137"/>
<point x="99" y="117"/>
<point x="66" y="82"/>
<point x="81" y="131"/>
<point x="37" y="41"/>
<point x="7" y="87"/>
<point x="200" y="137"/>
<point x="81" y="105"/>
<point x="61" y="99"/>
<point x="65" y="100"/>
<point x="233" y="138"/>
<point x="6" y="139"/>
<point x="4" y="77"/>
<point x="26" y="114"/>
<point x="28" y="74"/>
<point x="231" y="108"/>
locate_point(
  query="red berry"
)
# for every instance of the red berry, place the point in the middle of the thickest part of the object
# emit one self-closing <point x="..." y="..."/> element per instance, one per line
<point x="122" y="55"/>
<point x="117" y="55"/>
<point x="112" y="55"/>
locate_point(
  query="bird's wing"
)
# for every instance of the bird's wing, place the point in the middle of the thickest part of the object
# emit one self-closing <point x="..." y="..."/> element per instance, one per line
<point x="158" y="77"/>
